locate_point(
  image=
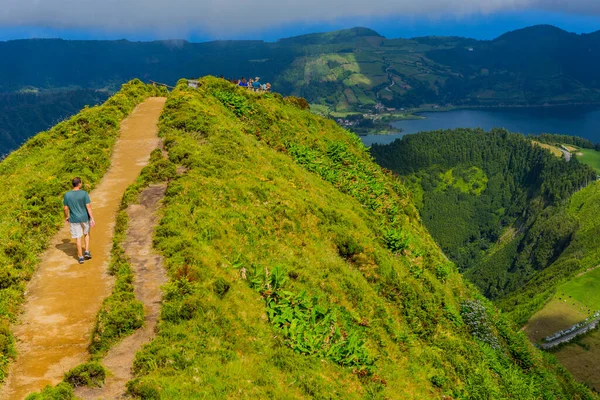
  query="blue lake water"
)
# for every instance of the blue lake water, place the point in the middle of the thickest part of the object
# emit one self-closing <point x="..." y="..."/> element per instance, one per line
<point x="581" y="121"/>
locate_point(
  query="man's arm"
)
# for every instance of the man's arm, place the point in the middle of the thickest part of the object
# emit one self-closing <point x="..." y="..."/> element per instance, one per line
<point x="66" y="210"/>
<point x="89" y="210"/>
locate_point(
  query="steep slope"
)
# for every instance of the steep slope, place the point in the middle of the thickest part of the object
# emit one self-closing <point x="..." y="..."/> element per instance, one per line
<point x="582" y="254"/>
<point x="299" y="269"/>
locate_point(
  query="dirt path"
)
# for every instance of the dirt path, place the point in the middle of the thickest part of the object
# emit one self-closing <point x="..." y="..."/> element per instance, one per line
<point x="149" y="276"/>
<point x="63" y="297"/>
<point x="586" y="271"/>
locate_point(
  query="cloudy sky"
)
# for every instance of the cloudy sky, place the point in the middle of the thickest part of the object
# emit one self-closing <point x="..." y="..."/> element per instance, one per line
<point x="271" y="19"/>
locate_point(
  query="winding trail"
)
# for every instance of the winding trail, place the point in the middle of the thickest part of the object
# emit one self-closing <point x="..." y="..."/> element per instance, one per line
<point x="63" y="297"/>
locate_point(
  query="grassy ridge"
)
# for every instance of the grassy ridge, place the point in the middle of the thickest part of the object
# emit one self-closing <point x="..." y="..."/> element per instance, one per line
<point x="299" y="269"/>
<point x="33" y="180"/>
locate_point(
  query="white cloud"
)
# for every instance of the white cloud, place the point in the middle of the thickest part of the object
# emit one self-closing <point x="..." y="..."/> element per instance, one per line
<point x="227" y="17"/>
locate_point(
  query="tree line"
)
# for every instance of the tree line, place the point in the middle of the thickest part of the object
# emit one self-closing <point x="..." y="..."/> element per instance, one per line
<point x="24" y="114"/>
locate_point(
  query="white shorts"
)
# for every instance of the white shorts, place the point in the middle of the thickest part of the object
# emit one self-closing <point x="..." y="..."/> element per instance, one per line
<point x="78" y="229"/>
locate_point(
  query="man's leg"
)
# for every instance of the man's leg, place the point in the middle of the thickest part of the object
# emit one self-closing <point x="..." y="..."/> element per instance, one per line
<point x="87" y="242"/>
<point x="79" y="252"/>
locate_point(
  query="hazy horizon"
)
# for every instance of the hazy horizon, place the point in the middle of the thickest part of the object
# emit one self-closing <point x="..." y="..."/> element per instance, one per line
<point x="274" y="39"/>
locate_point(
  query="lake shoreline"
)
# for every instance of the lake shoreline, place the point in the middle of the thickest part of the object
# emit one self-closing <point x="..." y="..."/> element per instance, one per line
<point x="415" y="114"/>
<point x="498" y="107"/>
<point x="574" y="120"/>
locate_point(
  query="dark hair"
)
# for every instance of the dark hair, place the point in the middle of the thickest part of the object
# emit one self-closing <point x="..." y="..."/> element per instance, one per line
<point x="76" y="181"/>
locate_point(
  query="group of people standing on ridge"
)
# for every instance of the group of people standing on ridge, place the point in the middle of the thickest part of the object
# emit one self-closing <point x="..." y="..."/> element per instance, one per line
<point x="252" y="84"/>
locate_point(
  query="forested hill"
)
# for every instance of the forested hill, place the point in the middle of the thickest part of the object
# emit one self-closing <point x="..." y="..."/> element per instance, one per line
<point x="298" y="268"/>
<point x="494" y="201"/>
<point x="23" y="114"/>
<point x="345" y="70"/>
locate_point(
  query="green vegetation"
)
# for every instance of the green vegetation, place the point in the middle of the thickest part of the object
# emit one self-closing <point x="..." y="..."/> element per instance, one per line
<point x="299" y="269"/>
<point x="121" y="313"/>
<point x="90" y="374"/>
<point x="582" y="254"/>
<point x="33" y="180"/>
<point x="468" y="180"/>
<point x="589" y="157"/>
<point x="24" y="114"/>
<point x="62" y="391"/>
<point x="586" y="152"/>
<point x="584" y="289"/>
<point x="493" y="201"/>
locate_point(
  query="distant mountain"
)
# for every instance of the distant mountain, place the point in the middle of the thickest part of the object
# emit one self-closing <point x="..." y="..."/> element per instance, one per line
<point x="342" y="36"/>
<point x="346" y="70"/>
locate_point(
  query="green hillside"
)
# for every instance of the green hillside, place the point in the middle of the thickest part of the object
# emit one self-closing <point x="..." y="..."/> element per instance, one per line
<point x="299" y="269"/>
<point x="33" y="180"/>
<point x="559" y="279"/>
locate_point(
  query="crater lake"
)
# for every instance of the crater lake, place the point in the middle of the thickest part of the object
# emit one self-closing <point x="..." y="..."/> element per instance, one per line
<point x="583" y="121"/>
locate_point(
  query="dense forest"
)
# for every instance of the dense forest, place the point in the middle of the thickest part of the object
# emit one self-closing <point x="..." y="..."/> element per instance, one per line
<point x="493" y="201"/>
<point x="24" y="114"/>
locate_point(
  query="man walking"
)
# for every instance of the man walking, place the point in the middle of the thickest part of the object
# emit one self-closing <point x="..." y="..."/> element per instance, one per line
<point x="78" y="213"/>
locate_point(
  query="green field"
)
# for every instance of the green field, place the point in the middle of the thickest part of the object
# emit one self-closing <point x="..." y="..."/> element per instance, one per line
<point x="585" y="289"/>
<point x="589" y="157"/>
<point x="472" y="180"/>
<point x="581" y="358"/>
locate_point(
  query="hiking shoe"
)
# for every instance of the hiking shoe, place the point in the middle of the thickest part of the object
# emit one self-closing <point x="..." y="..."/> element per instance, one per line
<point x="80" y="259"/>
<point x="87" y="255"/>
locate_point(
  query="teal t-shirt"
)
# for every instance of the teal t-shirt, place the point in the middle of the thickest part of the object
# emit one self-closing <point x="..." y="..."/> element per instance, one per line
<point x="76" y="200"/>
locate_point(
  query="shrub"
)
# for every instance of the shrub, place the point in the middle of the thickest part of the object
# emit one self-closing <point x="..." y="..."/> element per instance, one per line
<point x="141" y="390"/>
<point x="91" y="374"/>
<point x="236" y="102"/>
<point x="476" y="318"/>
<point x="347" y="246"/>
<point x="443" y="271"/>
<point x="221" y="287"/>
<point x="396" y="240"/>
<point x="298" y="102"/>
<point x="308" y="327"/>
<point x="62" y="391"/>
